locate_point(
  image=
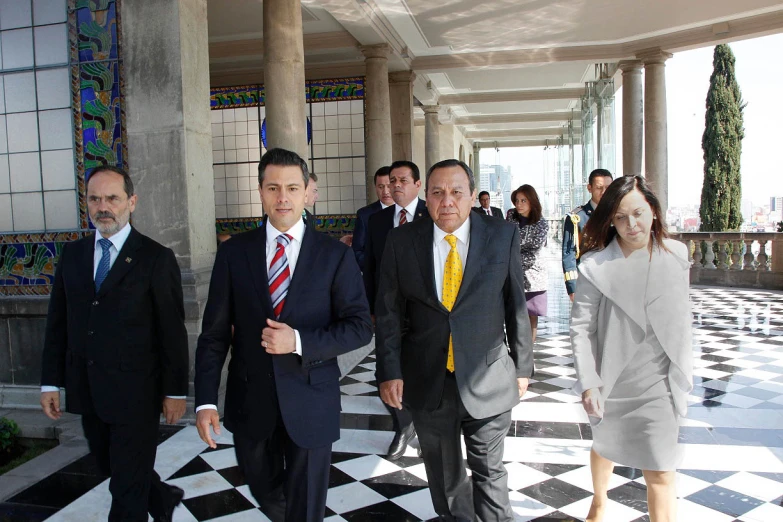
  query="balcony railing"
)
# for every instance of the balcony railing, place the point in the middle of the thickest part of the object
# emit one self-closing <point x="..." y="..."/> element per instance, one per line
<point x="743" y="259"/>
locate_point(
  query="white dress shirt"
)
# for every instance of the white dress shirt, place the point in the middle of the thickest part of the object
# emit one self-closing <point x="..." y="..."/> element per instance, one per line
<point x="487" y="211"/>
<point x="117" y="242"/>
<point x="410" y="209"/>
<point x="292" y="253"/>
<point x="441" y="249"/>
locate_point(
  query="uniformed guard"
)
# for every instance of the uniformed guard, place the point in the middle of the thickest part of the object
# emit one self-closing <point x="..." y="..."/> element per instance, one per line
<point x="575" y="222"/>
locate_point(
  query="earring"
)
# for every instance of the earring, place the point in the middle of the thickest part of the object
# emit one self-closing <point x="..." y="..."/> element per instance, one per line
<point x="611" y="225"/>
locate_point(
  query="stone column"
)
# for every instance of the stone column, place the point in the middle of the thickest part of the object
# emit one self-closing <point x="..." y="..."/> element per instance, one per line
<point x="169" y="137"/>
<point x="476" y="163"/>
<point x="655" y="146"/>
<point x="633" y="117"/>
<point x="284" y="77"/>
<point x="401" y="98"/>
<point x="431" y="136"/>
<point x="377" y="116"/>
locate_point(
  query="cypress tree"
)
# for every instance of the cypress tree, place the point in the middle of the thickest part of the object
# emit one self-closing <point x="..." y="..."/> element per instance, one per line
<point x="721" y="142"/>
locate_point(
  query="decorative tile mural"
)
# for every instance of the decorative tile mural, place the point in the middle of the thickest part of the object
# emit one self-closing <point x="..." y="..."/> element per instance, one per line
<point x="341" y="89"/>
<point x="27" y="261"/>
<point x="336" y="225"/>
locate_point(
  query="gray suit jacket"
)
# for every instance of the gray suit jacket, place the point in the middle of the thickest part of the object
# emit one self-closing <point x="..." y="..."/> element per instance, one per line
<point x="413" y="327"/>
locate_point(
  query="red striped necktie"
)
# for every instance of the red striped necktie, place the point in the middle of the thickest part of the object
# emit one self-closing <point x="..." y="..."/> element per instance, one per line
<point x="403" y="217"/>
<point x="279" y="275"/>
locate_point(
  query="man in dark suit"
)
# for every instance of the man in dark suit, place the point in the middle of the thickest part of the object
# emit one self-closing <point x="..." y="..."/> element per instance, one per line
<point x="295" y="301"/>
<point x="383" y="191"/>
<point x="405" y="183"/>
<point x="451" y="292"/>
<point x="116" y="340"/>
<point x="484" y="207"/>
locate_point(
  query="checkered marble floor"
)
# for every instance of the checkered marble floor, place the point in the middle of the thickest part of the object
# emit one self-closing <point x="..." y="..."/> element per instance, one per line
<point x="733" y="437"/>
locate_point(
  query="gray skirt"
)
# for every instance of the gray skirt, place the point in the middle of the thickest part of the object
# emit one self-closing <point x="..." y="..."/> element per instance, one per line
<point x="536" y="303"/>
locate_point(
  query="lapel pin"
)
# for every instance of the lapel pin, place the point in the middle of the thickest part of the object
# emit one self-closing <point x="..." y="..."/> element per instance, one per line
<point x="128" y="260"/>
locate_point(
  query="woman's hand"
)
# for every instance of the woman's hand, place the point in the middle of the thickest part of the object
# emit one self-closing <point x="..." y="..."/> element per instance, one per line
<point x="591" y="401"/>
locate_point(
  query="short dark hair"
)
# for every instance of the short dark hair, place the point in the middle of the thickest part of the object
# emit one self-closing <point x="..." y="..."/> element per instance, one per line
<point x="599" y="232"/>
<point x="313" y="177"/>
<point x="117" y="170"/>
<point x="483" y="193"/>
<point x="409" y="164"/>
<point x="598" y="173"/>
<point x="453" y="163"/>
<point x="383" y="171"/>
<point x="282" y="158"/>
<point x="532" y="198"/>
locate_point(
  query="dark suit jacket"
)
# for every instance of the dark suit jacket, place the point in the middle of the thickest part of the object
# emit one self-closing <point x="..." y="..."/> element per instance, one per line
<point x="413" y="327"/>
<point x="325" y="303"/>
<point x="119" y="352"/>
<point x="496" y="212"/>
<point x="379" y="226"/>
<point x="360" y="230"/>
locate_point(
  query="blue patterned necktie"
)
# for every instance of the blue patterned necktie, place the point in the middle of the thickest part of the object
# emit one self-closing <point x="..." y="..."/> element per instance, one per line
<point x="104" y="264"/>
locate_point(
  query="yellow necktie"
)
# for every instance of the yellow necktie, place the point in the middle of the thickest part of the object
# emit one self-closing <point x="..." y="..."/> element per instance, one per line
<point x="452" y="278"/>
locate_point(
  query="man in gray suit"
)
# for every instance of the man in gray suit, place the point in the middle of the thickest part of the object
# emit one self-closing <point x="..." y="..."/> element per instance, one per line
<point x="450" y="293"/>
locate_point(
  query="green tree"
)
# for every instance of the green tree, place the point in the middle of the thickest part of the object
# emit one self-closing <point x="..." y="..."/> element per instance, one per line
<point x="721" y="142"/>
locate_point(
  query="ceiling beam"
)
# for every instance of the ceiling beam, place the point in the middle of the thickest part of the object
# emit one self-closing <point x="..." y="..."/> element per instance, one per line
<point x="702" y="36"/>
<point x="255" y="46"/>
<point x="525" y="117"/>
<point x="515" y="133"/>
<point x="516" y="143"/>
<point x="511" y="96"/>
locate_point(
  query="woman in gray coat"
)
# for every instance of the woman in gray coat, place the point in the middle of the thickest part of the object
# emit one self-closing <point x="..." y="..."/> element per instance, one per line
<point x="631" y="336"/>
<point x="533" y="228"/>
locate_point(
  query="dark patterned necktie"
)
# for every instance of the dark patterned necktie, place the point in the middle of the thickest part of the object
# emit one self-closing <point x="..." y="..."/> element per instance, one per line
<point x="104" y="264"/>
<point x="403" y="217"/>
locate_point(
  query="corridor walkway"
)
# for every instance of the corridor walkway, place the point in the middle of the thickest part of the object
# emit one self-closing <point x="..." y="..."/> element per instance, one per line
<point x="733" y="468"/>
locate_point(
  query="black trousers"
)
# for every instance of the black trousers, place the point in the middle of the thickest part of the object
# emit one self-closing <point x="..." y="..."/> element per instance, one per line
<point x="455" y="497"/>
<point x="401" y="419"/>
<point x="126" y="452"/>
<point x="289" y="482"/>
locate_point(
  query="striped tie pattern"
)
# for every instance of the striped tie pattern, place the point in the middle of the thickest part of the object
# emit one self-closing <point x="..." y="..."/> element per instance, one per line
<point x="104" y="263"/>
<point x="403" y="216"/>
<point x="452" y="279"/>
<point x="279" y="275"/>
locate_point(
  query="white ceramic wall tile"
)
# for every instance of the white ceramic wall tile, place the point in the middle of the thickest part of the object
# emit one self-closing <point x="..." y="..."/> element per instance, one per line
<point x="346" y="164"/>
<point x="240" y="127"/>
<point x="219" y="171"/>
<point x="19" y="92"/>
<point x="244" y="197"/>
<point x="240" y="114"/>
<point x="51" y="45"/>
<point x="330" y="122"/>
<point x="358" y="179"/>
<point x="6" y="216"/>
<point x="332" y="136"/>
<point x="333" y="207"/>
<point x="319" y="151"/>
<point x="332" y="151"/>
<point x="228" y="115"/>
<point x="243" y="155"/>
<point x="25" y="172"/>
<point x="232" y="198"/>
<point x="49" y="11"/>
<point x="220" y="186"/>
<point x="254" y="155"/>
<point x="243" y="183"/>
<point x="230" y="129"/>
<point x="217" y="144"/>
<point x="17" y="48"/>
<point x="256" y="210"/>
<point x="357" y="107"/>
<point x="241" y="141"/>
<point x="231" y="184"/>
<point x="358" y="164"/>
<point x="232" y="171"/>
<point x="218" y="156"/>
<point x="330" y="108"/>
<point x="15" y="13"/>
<point x="359" y="192"/>
<point x="231" y="156"/>
<point x="325" y="194"/>
<point x="2" y="94"/>
<point x="229" y="140"/>
<point x="357" y="135"/>
<point x="217" y="129"/>
<point x="357" y="149"/>
<point x="357" y="121"/>
<point x="344" y="107"/>
<point x="254" y="139"/>
<point x="28" y="212"/>
<point x="317" y="109"/>
<point x="3" y="135"/>
<point x="216" y="116"/>
<point x="346" y="179"/>
<point x="57" y="170"/>
<point x="220" y="198"/>
<point x="345" y="149"/>
<point x="56" y="129"/>
<point x="346" y="207"/>
<point x="233" y="211"/>
<point x="220" y="212"/>
<point x="359" y="203"/>
<point x="242" y="170"/>
<point x="245" y="210"/>
<point x="54" y="88"/>
<point x="5" y="175"/>
<point x="60" y="210"/>
<point x="344" y="121"/>
<point x="24" y="132"/>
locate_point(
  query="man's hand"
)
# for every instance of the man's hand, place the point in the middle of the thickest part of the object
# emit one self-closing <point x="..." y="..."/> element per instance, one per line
<point x="591" y="401"/>
<point x="173" y="409"/>
<point x="50" y="402"/>
<point x="347" y="239"/>
<point x="278" y="338"/>
<point x="204" y="419"/>
<point x="391" y="393"/>
<point x="571" y="297"/>
<point x="522" y="384"/>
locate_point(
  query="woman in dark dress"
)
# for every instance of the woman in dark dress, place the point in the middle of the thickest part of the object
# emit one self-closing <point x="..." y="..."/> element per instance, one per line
<point x="533" y="229"/>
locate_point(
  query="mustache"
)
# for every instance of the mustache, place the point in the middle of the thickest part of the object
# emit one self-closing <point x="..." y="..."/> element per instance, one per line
<point x="104" y="214"/>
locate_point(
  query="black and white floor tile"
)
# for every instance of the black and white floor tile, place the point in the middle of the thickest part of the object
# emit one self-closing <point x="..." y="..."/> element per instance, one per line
<point x="733" y="437"/>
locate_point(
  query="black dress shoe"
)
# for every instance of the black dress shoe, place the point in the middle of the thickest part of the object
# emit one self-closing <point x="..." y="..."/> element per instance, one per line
<point x="400" y="442"/>
<point x="174" y="499"/>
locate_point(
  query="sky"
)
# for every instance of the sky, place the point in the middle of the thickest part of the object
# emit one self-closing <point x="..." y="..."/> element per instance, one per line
<point x="687" y="82"/>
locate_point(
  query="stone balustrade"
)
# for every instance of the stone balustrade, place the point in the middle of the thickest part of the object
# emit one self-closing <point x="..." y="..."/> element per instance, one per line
<point x="743" y="259"/>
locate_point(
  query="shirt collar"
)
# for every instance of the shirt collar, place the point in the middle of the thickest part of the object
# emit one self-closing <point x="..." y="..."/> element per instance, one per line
<point x="118" y="239"/>
<point x="411" y="208"/>
<point x="462" y="233"/>
<point x="383" y="205"/>
<point x="296" y="232"/>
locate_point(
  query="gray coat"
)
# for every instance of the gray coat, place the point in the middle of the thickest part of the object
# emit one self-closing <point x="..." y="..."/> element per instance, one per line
<point x="612" y="306"/>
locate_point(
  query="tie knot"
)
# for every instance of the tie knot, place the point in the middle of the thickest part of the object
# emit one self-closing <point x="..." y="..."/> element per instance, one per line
<point x="284" y="239"/>
<point x="451" y="239"/>
<point x="105" y="244"/>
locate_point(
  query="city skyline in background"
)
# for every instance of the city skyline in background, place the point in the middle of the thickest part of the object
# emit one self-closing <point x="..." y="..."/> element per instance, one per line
<point x="687" y="81"/>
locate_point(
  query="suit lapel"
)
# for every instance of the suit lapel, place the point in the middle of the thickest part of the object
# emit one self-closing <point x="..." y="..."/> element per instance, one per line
<point x="421" y="210"/>
<point x="86" y="269"/>
<point x="126" y="260"/>
<point x="256" y="258"/>
<point x="306" y="253"/>
<point x="478" y="244"/>
<point x="422" y="246"/>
